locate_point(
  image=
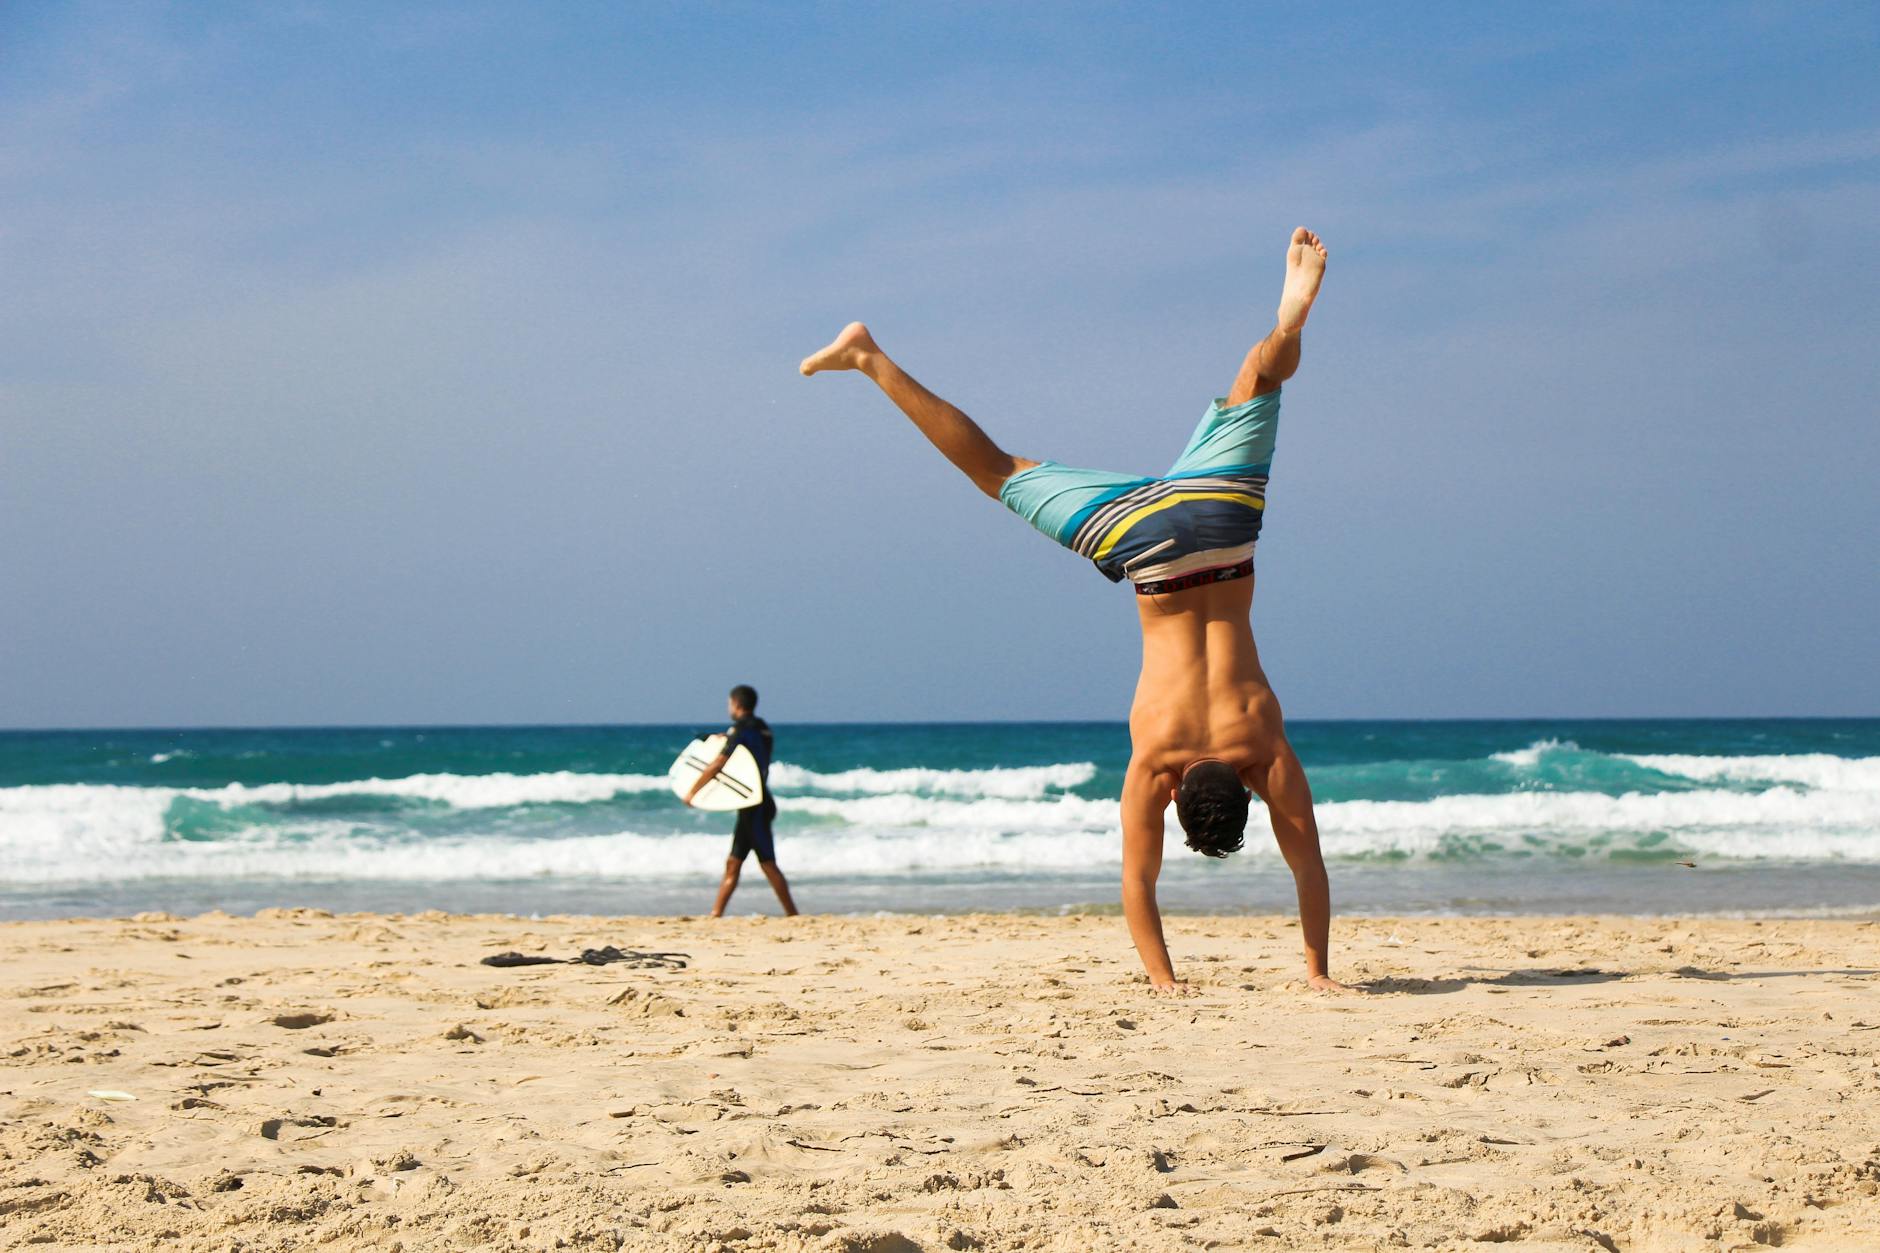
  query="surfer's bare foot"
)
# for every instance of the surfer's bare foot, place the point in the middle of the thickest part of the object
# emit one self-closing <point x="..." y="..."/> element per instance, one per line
<point x="848" y="351"/>
<point x="1325" y="983"/>
<point x="1305" y="269"/>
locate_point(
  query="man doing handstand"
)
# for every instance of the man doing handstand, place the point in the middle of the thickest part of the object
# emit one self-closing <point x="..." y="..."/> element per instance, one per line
<point x="1205" y="721"/>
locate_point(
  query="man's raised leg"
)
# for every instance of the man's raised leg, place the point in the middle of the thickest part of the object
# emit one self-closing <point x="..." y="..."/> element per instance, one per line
<point x="957" y="436"/>
<point x="1274" y="359"/>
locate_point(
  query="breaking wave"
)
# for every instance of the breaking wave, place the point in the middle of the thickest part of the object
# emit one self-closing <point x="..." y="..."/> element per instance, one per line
<point x="1549" y="800"/>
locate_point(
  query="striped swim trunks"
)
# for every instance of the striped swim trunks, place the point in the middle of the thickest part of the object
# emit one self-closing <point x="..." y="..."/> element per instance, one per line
<point x="1197" y="523"/>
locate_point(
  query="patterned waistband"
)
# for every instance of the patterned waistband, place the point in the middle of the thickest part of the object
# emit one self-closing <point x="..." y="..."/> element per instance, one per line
<point x="1200" y="578"/>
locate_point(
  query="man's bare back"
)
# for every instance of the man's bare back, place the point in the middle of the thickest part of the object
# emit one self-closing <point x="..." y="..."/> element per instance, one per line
<point x="1202" y="696"/>
<point x="1185" y="539"/>
<point x="1201" y="692"/>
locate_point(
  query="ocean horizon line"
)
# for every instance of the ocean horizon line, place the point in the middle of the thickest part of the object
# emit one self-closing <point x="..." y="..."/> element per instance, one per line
<point x="681" y="724"/>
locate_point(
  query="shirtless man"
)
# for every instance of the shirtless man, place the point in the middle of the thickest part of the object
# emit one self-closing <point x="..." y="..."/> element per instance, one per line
<point x="1205" y="725"/>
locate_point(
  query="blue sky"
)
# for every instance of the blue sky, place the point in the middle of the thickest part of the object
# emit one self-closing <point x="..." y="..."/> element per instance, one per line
<point x="366" y="363"/>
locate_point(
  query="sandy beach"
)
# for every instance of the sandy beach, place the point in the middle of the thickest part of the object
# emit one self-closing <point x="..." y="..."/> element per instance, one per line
<point x="889" y="1084"/>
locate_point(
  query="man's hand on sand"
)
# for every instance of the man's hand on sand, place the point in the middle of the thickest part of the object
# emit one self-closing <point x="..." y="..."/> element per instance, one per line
<point x="1325" y="983"/>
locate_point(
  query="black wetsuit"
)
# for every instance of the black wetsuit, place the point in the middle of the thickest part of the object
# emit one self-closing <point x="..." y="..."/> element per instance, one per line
<point x="753" y="829"/>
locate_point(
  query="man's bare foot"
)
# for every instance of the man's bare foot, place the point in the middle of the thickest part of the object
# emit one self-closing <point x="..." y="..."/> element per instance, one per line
<point x="1305" y="269"/>
<point x="1325" y="983"/>
<point x="1173" y="988"/>
<point x="848" y="351"/>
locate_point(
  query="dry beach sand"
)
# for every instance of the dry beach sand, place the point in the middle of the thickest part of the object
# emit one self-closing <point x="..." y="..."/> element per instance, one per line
<point x="891" y="1084"/>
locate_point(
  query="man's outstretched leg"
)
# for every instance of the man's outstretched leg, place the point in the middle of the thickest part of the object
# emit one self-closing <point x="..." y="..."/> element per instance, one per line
<point x="729" y="884"/>
<point x="779" y="885"/>
<point x="1274" y="359"/>
<point x="957" y="436"/>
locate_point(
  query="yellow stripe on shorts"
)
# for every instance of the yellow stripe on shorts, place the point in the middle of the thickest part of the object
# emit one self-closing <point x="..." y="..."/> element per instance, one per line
<point x="1121" y="529"/>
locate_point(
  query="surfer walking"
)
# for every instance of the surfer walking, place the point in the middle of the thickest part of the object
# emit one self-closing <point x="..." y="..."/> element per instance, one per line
<point x="1205" y="727"/>
<point x="753" y="832"/>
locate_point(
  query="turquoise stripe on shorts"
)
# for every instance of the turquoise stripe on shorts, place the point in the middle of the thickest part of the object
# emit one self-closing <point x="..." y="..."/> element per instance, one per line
<point x="1240" y="438"/>
<point x="1057" y="498"/>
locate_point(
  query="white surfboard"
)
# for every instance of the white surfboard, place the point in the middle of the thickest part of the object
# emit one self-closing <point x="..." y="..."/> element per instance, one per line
<point x="737" y="786"/>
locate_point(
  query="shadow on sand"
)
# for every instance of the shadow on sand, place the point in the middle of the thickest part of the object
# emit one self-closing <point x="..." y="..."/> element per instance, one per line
<point x="1539" y="977"/>
<point x="1573" y="976"/>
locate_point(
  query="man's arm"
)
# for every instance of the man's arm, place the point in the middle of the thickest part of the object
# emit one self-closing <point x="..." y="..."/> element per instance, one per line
<point x="710" y="772"/>
<point x="1282" y="785"/>
<point x="705" y="776"/>
<point x="1144" y="802"/>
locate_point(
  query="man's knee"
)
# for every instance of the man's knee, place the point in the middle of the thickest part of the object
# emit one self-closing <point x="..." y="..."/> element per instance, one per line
<point x="992" y="479"/>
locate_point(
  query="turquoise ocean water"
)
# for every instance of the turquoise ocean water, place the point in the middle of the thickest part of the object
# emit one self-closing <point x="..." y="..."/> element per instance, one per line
<point x="1780" y="816"/>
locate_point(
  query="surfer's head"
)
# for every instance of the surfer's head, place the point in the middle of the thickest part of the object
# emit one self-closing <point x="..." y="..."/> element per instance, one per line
<point x="1211" y="803"/>
<point x="743" y="700"/>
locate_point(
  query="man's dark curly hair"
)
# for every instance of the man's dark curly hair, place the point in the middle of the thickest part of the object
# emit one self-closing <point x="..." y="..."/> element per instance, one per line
<point x="1212" y="805"/>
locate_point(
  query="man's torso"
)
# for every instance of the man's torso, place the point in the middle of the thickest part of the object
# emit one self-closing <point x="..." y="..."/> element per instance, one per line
<point x="755" y="734"/>
<point x="1202" y="692"/>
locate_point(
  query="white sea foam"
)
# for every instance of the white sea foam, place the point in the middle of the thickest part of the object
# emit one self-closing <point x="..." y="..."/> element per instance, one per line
<point x="945" y="814"/>
<point x="1532" y="754"/>
<point x="460" y="791"/>
<point x="104" y="803"/>
<point x="1814" y="770"/>
<point x="1782" y="823"/>
<point x="897" y="834"/>
<point x="76" y="823"/>
<point x="331" y="850"/>
<point x="865" y="822"/>
<point x="500" y="791"/>
<point x="1011" y="782"/>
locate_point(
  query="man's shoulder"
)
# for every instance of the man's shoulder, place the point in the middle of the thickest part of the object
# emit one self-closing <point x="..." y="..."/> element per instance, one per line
<point x="746" y="730"/>
<point x="1150" y="763"/>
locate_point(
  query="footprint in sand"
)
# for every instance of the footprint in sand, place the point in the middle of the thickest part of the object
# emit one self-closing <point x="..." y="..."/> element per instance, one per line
<point x="291" y="1128"/>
